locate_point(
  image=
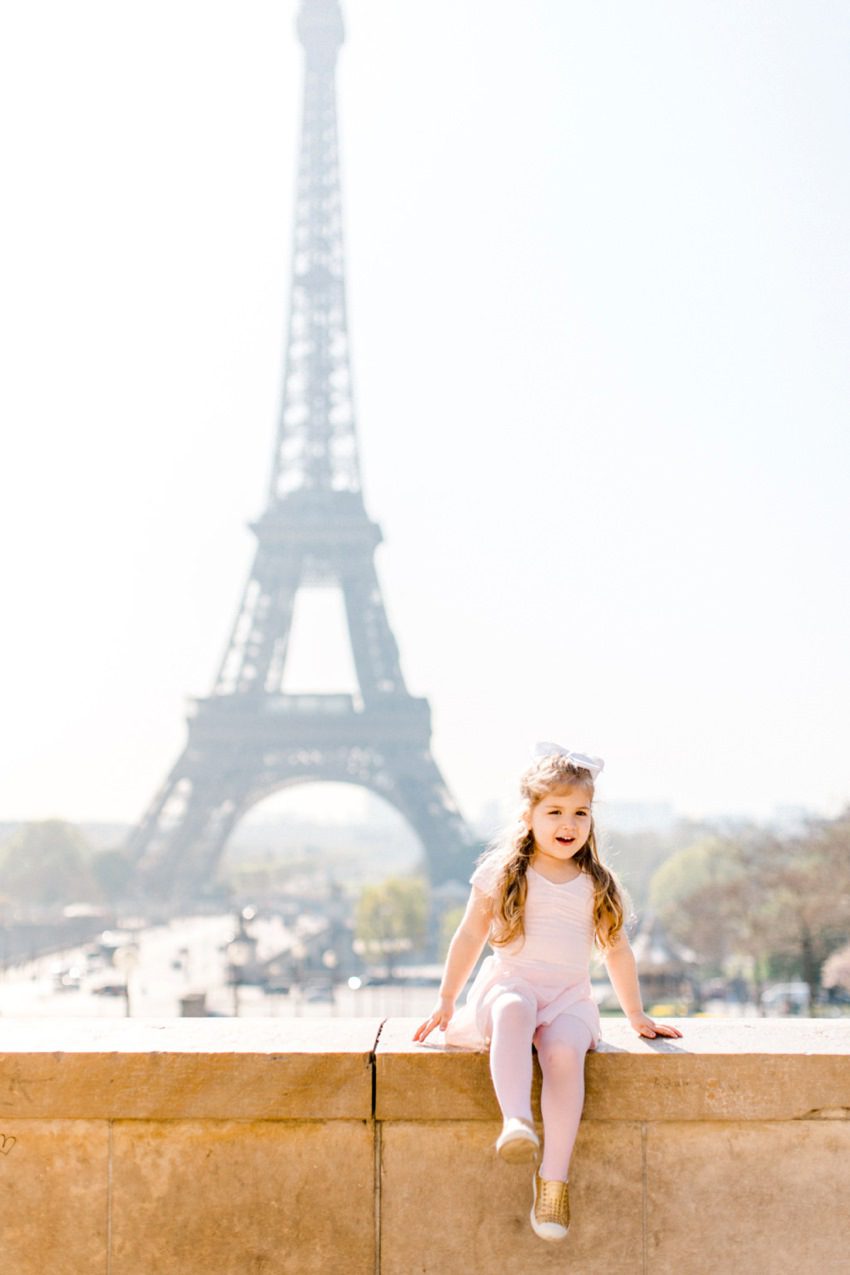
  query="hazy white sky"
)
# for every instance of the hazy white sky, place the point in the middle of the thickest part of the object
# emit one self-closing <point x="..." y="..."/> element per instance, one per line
<point x="598" y="297"/>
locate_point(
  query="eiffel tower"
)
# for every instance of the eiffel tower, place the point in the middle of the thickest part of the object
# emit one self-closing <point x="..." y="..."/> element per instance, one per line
<point x="248" y="738"/>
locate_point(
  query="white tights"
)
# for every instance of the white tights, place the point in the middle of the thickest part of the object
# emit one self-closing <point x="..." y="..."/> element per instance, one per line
<point x="561" y="1049"/>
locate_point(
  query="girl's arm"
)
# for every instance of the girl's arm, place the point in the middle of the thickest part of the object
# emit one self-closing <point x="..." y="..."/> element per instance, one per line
<point x="464" y="950"/>
<point x="622" y="971"/>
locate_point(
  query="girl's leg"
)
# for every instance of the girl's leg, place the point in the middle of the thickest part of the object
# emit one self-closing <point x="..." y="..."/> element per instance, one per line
<point x="561" y="1048"/>
<point x="513" y="1022"/>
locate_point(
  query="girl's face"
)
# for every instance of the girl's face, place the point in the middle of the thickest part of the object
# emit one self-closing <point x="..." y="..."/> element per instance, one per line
<point x="561" y="822"/>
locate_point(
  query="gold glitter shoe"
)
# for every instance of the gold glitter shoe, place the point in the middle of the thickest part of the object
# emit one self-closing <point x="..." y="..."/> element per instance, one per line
<point x="518" y="1142"/>
<point x="550" y="1212"/>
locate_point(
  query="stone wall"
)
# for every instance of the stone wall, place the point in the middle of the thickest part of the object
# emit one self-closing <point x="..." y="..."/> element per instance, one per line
<point x="227" y="1147"/>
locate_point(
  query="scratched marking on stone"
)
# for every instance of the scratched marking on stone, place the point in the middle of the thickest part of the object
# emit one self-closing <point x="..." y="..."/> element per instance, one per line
<point x="18" y="1086"/>
<point x="7" y="1141"/>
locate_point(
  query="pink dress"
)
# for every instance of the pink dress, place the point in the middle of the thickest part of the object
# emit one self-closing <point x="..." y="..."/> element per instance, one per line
<point x="550" y="965"/>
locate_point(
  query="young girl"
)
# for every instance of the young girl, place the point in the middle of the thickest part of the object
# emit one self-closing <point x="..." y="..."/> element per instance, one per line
<point x="541" y="896"/>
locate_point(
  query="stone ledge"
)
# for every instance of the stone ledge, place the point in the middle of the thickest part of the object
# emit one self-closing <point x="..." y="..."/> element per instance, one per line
<point x="214" y="1069"/>
<point x="721" y="1069"/>
<point x="322" y="1069"/>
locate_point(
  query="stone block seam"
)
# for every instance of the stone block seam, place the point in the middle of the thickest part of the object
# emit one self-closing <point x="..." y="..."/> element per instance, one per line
<point x="377" y="1127"/>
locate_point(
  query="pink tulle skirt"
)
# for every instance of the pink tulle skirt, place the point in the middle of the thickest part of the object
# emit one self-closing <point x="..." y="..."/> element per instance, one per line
<point x="549" y="988"/>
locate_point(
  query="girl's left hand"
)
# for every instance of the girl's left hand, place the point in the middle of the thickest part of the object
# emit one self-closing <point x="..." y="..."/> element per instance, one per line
<point x="645" y="1026"/>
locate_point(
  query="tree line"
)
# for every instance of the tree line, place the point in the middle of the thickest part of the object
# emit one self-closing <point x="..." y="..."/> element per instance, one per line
<point x="50" y="863"/>
<point x="748" y="901"/>
<point x="776" y="905"/>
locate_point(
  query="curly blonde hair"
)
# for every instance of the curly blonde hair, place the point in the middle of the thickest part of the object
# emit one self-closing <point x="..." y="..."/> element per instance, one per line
<point x="514" y="850"/>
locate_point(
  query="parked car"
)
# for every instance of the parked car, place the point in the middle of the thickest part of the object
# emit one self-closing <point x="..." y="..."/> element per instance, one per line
<point x="786" y="998"/>
<point x="109" y="989"/>
<point x="319" y="992"/>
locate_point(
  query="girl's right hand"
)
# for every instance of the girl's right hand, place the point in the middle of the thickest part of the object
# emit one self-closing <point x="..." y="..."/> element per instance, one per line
<point x="439" y="1017"/>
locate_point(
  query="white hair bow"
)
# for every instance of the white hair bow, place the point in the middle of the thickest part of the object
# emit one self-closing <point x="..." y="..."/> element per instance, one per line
<point x="547" y="749"/>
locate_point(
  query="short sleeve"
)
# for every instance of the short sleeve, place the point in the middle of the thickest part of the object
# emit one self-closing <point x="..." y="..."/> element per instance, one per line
<point x="487" y="877"/>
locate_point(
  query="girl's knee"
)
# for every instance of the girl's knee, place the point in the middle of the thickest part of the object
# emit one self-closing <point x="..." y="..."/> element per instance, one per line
<point x="512" y="1007"/>
<point x="560" y="1056"/>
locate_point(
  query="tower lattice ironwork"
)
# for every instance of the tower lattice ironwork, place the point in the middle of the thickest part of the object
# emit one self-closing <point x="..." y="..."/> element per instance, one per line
<point x="248" y="738"/>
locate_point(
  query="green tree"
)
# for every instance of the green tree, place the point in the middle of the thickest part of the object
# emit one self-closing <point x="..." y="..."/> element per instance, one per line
<point x="392" y="917"/>
<point x="49" y="864"/>
<point x="810" y="895"/>
<point x="746" y="904"/>
<point x="637" y="856"/>
<point x="777" y="900"/>
<point x="688" y="894"/>
<point x="449" y="922"/>
<point x="716" y="897"/>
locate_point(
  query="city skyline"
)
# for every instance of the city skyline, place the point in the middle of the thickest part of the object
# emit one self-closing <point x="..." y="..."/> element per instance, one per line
<point x="579" y="317"/>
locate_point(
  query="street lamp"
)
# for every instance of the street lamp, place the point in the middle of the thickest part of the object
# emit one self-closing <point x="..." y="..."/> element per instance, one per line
<point x="298" y="952"/>
<point x="238" y="956"/>
<point x="240" y="951"/>
<point x="126" y="958"/>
